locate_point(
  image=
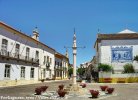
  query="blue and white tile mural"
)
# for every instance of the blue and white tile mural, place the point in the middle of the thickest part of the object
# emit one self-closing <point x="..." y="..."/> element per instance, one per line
<point x="121" y="53"/>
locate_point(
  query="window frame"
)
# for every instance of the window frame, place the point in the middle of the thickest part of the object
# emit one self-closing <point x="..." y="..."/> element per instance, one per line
<point x="7" y="71"/>
<point x="31" y="73"/>
<point x="22" y="74"/>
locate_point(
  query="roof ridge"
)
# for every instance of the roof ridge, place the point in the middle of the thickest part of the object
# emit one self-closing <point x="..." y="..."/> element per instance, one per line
<point x="6" y="25"/>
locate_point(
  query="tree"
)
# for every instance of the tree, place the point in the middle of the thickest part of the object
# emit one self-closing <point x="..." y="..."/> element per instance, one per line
<point x="105" y="67"/>
<point x="70" y="71"/>
<point x="81" y="71"/>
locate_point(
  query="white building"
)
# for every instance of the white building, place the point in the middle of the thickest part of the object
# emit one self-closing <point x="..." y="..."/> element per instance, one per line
<point x="23" y="59"/>
<point x="117" y="49"/>
<point x="61" y="66"/>
<point x="85" y="65"/>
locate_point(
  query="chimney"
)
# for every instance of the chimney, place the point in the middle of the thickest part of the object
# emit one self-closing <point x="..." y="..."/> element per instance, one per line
<point x="35" y="34"/>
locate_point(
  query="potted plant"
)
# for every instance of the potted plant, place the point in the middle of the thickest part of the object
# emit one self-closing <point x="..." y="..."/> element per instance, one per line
<point x="70" y="84"/>
<point x="61" y="92"/>
<point x="94" y="93"/>
<point x="44" y="88"/>
<point x="61" y="87"/>
<point x="38" y="91"/>
<point x="110" y="90"/>
<point x="103" y="88"/>
<point x="42" y="80"/>
<point x="83" y="85"/>
<point x="79" y="80"/>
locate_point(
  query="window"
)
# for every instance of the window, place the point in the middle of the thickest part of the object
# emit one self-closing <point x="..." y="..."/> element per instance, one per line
<point x="17" y="50"/>
<point x="44" y="60"/>
<point x="22" y="72"/>
<point x="47" y="58"/>
<point x="44" y="73"/>
<point x="4" y="46"/>
<point x="7" y="71"/>
<point x="50" y="60"/>
<point x="60" y="64"/>
<point x="27" y="53"/>
<point x="37" y="55"/>
<point x="32" y="73"/>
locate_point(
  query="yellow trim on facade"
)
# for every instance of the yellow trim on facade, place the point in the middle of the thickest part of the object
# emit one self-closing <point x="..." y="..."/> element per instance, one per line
<point x="18" y="82"/>
<point x="119" y="80"/>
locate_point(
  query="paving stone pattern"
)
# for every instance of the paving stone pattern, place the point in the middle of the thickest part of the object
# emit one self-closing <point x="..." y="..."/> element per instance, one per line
<point x="122" y="91"/>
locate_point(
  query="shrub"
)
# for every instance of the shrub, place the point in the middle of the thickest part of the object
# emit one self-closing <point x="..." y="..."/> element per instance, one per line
<point x="94" y="93"/>
<point x="110" y="90"/>
<point x="136" y="58"/>
<point x="103" y="88"/>
<point x="105" y="67"/>
<point x="44" y="88"/>
<point x="61" y="87"/>
<point x="42" y="80"/>
<point x="61" y="93"/>
<point x="128" y="68"/>
<point x="79" y="80"/>
<point x="38" y="91"/>
<point x="83" y="85"/>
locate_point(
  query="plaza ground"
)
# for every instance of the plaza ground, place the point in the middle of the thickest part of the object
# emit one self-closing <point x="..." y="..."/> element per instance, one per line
<point x="124" y="91"/>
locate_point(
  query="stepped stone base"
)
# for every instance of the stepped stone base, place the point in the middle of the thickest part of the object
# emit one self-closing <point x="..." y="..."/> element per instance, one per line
<point x="75" y="88"/>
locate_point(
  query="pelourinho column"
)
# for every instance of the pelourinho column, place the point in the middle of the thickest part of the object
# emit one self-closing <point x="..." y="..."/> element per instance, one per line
<point x="74" y="58"/>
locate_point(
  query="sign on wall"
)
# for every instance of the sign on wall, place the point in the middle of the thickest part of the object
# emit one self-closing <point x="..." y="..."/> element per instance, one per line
<point x="121" y="53"/>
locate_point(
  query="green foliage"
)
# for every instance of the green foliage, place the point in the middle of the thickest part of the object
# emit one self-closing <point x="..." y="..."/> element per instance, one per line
<point x="105" y="67"/>
<point x="70" y="71"/>
<point x="136" y="58"/>
<point x="81" y="71"/>
<point x="128" y="68"/>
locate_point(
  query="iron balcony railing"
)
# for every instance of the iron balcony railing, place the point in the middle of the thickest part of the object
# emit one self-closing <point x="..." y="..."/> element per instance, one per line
<point x="17" y="56"/>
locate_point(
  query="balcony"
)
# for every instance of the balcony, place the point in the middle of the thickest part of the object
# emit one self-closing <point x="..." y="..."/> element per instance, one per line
<point x="18" y="57"/>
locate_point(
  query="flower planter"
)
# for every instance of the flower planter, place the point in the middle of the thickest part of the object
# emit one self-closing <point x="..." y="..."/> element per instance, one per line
<point x="61" y="93"/>
<point x="94" y="93"/>
<point x="38" y="91"/>
<point x="70" y="84"/>
<point x="44" y="88"/>
<point x="110" y="90"/>
<point x="42" y="80"/>
<point x="83" y="85"/>
<point x="79" y="81"/>
<point x="103" y="88"/>
<point x="61" y="87"/>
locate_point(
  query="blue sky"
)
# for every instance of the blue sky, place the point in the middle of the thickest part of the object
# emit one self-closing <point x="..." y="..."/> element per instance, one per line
<point x="56" y="20"/>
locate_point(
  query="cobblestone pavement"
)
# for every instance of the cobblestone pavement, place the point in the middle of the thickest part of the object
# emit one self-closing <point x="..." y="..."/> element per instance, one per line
<point x="122" y="91"/>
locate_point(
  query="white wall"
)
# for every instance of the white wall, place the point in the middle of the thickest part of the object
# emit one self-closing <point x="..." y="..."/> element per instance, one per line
<point x="24" y="42"/>
<point x="109" y="75"/>
<point x="105" y="52"/>
<point x="1" y="71"/>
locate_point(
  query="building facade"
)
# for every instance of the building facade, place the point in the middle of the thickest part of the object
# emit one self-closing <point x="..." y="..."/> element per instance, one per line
<point x="61" y="66"/>
<point x="117" y="49"/>
<point x="23" y="59"/>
